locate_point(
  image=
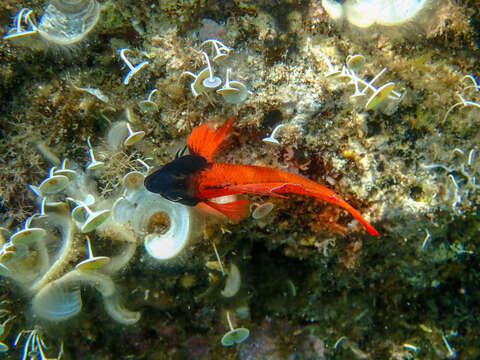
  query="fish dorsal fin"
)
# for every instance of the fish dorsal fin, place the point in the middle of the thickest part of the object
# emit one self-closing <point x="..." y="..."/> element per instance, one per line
<point x="204" y="140"/>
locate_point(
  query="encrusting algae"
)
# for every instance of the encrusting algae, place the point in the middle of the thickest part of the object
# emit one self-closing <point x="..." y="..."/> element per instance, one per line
<point x="381" y="109"/>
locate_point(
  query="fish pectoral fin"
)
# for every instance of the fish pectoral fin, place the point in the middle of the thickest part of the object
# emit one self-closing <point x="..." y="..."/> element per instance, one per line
<point x="204" y="140"/>
<point x="234" y="210"/>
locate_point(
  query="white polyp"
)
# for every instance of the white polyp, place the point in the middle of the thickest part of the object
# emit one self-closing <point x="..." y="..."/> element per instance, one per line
<point x="396" y="12"/>
<point x="233" y="282"/>
<point x="271" y="139"/>
<point x="226" y="86"/>
<point x="59" y="299"/>
<point x="102" y="283"/>
<point x="37" y="240"/>
<point x="239" y="97"/>
<point x="121" y="259"/>
<point x="133" y="137"/>
<point x="56" y="302"/>
<point x="229" y="321"/>
<point x="133" y="180"/>
<point x="81" y="205"/>
<point x="66" y="227"/>
<point x="211" y="82"/>
<point x="119" y="313"/>
<point x="219" y="260"/>
<point x="97" y="93"/>
<point x="208" y="65"/>
<point x="129" y="129"/>
<point x="90" y="151"/>
<point x="18" y="31"/>
<point x="53" y="184"/>
<point x="70" y="173"/>
<point x="197" y="84"/>
<point x="94" y="164"/>
<point x="18" y="264"/>
<point x="133" y="69"/>
<point x="149" y="98"/>
<point x="362" y="13"/>
<point x="122" y="210"/>
<point x="116" y="135"/>
<point x="19" y="18"/>
<point x="333" y="8"/>
<point x="144" y="164"/>
<point x="125" y="60"/>
<point x="219" y="48"/>
<point x="369" y="85"/>
<point x="148" y="104"/>
<point x="89" y="248"/>
<point x="262" y="210"/>
<point x="89" y="200"/>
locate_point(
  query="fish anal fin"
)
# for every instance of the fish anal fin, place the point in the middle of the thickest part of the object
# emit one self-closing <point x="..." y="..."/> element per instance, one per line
<point x="234" y="210"/>
<point x="205" y="140"/>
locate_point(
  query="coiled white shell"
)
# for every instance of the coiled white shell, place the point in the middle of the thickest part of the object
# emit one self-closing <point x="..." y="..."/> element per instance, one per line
<point x="162" y="245"/>
<point x="364" y="13"/>
<point x="66" y="22"/>
<point x="167" y="226"/>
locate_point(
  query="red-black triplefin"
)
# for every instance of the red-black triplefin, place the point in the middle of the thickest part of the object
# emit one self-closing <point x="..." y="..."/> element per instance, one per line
<point x="195" y="178"/>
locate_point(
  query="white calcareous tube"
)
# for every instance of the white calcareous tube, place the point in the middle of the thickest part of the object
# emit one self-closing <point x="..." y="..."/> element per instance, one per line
<point x="365" y="13"/>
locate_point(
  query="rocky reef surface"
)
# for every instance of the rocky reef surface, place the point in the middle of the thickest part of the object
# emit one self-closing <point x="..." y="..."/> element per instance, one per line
<point x="385" y="114"/>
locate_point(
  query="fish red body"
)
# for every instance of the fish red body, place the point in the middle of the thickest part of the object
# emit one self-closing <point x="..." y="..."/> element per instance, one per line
<point x="195" y="178"/>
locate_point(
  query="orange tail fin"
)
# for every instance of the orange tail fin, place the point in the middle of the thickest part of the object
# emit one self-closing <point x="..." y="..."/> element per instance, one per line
<point x="324" y="193"/>
<point x="204" y="140"/>
<point x="371" y="230"/>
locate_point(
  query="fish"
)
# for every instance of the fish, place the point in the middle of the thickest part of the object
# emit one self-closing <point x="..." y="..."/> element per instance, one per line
<point x="195" y="179"/>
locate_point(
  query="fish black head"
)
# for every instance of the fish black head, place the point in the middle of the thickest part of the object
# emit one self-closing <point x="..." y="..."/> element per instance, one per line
<point x="173" y="181"/>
